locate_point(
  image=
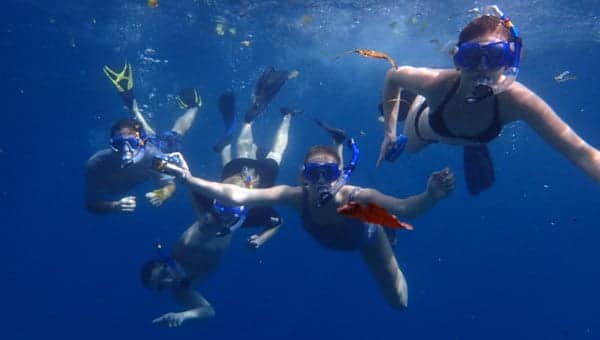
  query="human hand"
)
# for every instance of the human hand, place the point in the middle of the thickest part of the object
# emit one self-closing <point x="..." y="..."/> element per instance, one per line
<point x="388" y="143"/>
<point x="180" y="170"/>
<point x="157" y="197"/>
<point x="254" y="242"/>
<point x="170" y="320"/>
<point x="440" y="183"/>
<point x="126" y="204"/>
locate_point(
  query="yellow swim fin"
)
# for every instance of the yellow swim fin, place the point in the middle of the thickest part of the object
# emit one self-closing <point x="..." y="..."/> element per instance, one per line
<point x="123" y="80"/>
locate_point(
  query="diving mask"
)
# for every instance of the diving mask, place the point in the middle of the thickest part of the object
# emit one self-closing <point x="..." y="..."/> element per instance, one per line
<point x="504" y="55"/>
<point x="313" y="171"/>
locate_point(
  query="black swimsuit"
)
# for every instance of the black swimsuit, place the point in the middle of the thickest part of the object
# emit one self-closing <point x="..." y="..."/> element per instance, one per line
<point x="438" y="125"/>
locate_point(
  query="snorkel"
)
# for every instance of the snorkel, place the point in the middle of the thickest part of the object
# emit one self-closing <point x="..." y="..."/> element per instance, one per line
<point x="182" y="279"/>
<point x="484" y="86"/>
<point x="131" y="147"/>
<point x="326" y="194"/>
<point x="236" y="215"/>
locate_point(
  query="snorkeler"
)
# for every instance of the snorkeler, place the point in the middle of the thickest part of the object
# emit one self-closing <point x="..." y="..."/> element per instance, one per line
<point x="116" y="170"/>
<point x="469" y="105"/>
<point x="202" y="245"/>
<point x="251" y="169"/>
<point x="269" y="83"/>
<point x="323" y="191"/>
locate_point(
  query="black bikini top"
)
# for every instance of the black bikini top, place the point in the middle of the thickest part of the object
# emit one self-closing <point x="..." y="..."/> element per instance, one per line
<point x="438" y="125"/>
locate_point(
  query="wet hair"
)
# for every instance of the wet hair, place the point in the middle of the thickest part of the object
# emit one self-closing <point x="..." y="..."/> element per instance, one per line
<point x="322" y="149"/>
<point x="126" y="123"/>
<point x="147" y="270"/>
<point x="483" y="25"/>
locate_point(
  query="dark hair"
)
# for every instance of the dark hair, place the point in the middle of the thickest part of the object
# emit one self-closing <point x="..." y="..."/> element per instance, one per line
<point x="126" y="123"/>
<point x="485" y="24"/>
<point x="322" y="149"/>
<point x="146" y="272"/>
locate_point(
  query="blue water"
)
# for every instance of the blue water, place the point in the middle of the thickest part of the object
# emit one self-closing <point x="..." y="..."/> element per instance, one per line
<point x="516" y="262"/>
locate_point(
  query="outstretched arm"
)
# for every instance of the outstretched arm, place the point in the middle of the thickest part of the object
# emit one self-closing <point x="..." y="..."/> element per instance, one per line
<point x="234" y="195"/>
<point x="137" y="115"/>
<point x="256" y="241"/>
<point x="542" y="118"/>
<point x="199" y="309"/>
<point x="439" y="185"/>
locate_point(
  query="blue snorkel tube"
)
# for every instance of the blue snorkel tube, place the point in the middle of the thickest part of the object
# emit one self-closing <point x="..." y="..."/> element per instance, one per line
<point x="326" y="196"/>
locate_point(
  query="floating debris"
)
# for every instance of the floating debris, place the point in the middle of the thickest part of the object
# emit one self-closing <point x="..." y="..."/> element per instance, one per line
<point x="152" y="3"/>
<point x="306" y="20"/>
<point x="293" y="74"/>
<point x="246" y="43"/>
<point x="564" y="76"/>
<point x="220" y="29"/>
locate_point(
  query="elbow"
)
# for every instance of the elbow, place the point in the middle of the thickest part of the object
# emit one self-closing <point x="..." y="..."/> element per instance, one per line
<point x="210" y="312"/>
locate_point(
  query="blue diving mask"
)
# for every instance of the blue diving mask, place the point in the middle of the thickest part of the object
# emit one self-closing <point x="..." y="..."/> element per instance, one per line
<point x="131" y="148"/>
<point x="496" y="55"/>
<point x="313" y="171"/>
<point x="326" y="194"/>
<point x="232" y="217"/>
<point x="174" y="271"/>
<point x="503" y="55"/>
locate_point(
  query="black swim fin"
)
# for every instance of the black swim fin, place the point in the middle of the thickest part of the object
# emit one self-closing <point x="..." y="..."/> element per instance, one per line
<point x="479" y="169"/>
<point x="227" y="109"/>
<point x="269" y="83"/>
<point x="338" y="135"/>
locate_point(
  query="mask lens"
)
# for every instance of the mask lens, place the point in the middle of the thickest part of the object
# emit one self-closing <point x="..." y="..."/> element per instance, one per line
<point x="469" y="55"/>
<point x="497" y="54"/>
<point x="313" y="171"/>
<point x="118" y="142"/>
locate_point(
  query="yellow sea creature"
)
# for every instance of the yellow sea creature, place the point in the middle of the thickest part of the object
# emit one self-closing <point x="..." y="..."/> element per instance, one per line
<point x="293" y="74"/>
<point x="371" y="54"/>
<point x="152" y="3"/>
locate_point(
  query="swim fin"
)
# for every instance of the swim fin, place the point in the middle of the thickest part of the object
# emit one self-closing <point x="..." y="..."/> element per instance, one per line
<point x="338" y="135"/>
<point x="479" y="169"/>
<point x="227" y="109"/>
<point x="269" y="83"/>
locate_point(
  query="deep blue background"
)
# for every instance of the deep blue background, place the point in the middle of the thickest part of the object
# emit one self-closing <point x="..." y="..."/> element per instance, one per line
<point x="517" y="262"/>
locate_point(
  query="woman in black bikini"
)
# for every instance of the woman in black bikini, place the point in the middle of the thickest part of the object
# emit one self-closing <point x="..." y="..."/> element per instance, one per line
<point x="469" y="105"/>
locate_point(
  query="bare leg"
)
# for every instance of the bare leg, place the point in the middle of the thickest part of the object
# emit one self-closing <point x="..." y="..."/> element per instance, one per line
<point x="137" y="114"/>
<point x="281" y="139"/>
<point x="415" y="143"/>
<point x="226" y="154"/>
<point x="185" y="121"/>
<point x="382" y="263"/>
<point x="339" y="148"/>
<point x="245" y="144"/>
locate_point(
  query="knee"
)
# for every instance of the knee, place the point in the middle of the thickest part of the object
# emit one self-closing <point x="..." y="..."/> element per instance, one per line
<point x="399" y="302"/>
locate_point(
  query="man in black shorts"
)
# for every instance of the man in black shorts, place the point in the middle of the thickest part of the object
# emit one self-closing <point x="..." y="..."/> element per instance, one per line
<point x="253" y="169"/>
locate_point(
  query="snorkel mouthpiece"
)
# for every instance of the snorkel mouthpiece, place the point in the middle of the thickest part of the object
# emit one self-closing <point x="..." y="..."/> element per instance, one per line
<point x="326" y="194"/>
<point x="480" y="93"/>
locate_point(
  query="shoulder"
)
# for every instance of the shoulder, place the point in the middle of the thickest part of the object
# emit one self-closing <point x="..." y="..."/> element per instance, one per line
<point x="101" y="158"/>
<point x="519" y="102"/>
<point x="418" y="78"/>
